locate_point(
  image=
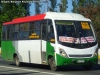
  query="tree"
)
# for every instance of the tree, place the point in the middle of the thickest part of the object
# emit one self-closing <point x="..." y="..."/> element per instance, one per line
<point x="37" y="8"/>
<point x="75" y="5"/>
<point x="90" y="9"/>
<point x="63" y="6"/>
<point x="12" y="10"/>
<point x="53" y="4"/>
<point x="26" y="6"/>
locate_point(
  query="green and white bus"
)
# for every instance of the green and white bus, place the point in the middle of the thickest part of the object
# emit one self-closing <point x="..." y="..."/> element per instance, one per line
<point x="55" y="39"/>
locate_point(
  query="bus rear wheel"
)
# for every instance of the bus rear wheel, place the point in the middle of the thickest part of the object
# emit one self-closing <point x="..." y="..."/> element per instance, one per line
<point x="52" y="64"/>
<point x="87" y="67"/>
<point x="17" y="62"/>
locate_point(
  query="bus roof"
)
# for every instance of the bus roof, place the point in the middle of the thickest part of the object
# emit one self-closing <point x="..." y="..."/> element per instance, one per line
<point x="25" y="19"/>
<point x="66" y="16"/>
<point x="51" y="15"/>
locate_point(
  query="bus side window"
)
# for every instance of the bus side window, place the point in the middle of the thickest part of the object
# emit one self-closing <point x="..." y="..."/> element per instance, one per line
<point x="24" y="31"/>
<point x="15" y="31"/>
<point x="9" y="32"/>
<point x="34" y="30"/>
<point x="4" y="33"/>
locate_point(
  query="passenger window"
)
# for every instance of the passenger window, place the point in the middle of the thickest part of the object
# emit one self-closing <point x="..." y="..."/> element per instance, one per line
<point x="24" y="31"/>
<point x="34" y="32"/>
<point x="9" y="32"/>
<point x="15" y="30"/>
<point x="4" y="33"/>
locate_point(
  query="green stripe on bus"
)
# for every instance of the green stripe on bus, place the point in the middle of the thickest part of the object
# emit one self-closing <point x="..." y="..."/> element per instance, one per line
<point x="7" y="50"/>
<point x="62" y="61"/>
<point x="50" y="50"/>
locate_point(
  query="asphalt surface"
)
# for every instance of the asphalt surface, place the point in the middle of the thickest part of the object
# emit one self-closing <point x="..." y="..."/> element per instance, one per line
<point x="9" y="68"/>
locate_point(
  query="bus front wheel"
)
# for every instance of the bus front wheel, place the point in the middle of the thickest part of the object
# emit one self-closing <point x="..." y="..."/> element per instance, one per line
<point x="52" y="64"/>
<point x="17" y="62"/>
<point x="87" y="67"/>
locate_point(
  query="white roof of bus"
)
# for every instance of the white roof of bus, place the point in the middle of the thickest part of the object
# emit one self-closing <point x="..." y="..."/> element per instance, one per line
<point x="66" y="16"/>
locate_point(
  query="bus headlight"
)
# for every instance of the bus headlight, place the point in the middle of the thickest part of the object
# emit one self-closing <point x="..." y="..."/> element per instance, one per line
<point x="62" y="53"/>
<point x="96" y="52"/>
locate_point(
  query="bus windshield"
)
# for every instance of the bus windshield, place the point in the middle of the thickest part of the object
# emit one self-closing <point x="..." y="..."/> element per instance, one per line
<point x="78" y="32"/>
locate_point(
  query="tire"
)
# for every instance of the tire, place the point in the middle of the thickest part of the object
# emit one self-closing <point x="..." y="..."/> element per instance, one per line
<point x="87" y="67"/>
<point x="52" y="64"/>
<point x="17" y="62"/>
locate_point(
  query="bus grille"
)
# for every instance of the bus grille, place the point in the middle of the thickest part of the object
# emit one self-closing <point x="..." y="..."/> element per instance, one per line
<point x="86" y="55"/>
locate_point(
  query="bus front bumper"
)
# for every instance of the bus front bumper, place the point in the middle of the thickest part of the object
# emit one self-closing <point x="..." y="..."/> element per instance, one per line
<point x="62" y="61"/>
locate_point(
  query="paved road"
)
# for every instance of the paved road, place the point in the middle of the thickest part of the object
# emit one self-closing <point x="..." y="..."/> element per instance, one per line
<point x="9" y="68"/>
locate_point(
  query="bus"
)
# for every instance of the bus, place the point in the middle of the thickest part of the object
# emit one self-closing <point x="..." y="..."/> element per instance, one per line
<point x="53" y="38"/>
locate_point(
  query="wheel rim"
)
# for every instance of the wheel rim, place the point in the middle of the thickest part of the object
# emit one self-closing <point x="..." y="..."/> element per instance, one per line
<point x="53" y="65"/>
<point x="17" y="61"/>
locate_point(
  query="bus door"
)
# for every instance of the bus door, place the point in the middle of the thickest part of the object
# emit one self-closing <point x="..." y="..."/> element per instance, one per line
<point x="47" y="35"/>
<point x="43" y="40"/>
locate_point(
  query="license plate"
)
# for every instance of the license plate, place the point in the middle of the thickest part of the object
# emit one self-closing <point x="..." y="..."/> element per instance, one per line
<point x="80" y="61"/>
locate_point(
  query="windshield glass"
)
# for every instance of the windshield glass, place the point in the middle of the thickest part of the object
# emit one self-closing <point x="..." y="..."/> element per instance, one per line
<point x="78" y="32"/>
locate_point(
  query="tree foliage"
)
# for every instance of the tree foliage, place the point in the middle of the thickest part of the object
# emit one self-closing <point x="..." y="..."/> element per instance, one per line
<point x="53" y="4"/>
<point x="63" y="6"/>
<point x="10" y="11"/>
<point x="13" y="10"/>
<point x="91" y="10"/>
<point x="37" y="7"/>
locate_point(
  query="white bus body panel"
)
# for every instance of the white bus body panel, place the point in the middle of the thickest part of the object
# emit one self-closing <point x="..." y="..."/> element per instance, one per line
<point x="35" y="51"/>
<point x="75" y="51"/>
<point x="65" y="16"/>
<point x="28" y="51"/>
<point x="43" y="46"/>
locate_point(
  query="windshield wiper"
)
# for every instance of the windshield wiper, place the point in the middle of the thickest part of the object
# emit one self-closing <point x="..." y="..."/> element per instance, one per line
<point x="73" y="39"/>
<point x="83" y="37"/>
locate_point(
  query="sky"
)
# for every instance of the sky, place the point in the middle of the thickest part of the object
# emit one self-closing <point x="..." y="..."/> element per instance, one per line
<point x="44" y="9"/>
<point x="70" y="7"/>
